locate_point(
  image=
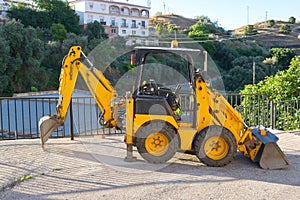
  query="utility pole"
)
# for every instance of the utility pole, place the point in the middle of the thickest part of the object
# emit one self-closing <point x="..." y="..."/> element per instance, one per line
<point x="266" y="19"/>
<point x="253" y="75"/>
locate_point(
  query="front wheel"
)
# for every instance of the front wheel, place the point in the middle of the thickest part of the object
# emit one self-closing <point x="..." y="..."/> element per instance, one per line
<point x="157" y="142"/>
<point x="215" y="146"/>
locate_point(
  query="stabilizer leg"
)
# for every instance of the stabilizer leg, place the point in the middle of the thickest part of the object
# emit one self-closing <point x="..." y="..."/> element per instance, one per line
<point x="130" y="157"/>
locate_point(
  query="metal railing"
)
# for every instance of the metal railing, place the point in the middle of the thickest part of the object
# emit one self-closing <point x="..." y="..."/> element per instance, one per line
<point x="258" y="109"/>
<point x="255" y="108"/>
<point x="19" y="116"/>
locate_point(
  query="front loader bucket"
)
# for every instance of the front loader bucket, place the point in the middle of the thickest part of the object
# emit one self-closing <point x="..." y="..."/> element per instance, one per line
<point x="270" y="156"/>
<point x="48" y="124"/>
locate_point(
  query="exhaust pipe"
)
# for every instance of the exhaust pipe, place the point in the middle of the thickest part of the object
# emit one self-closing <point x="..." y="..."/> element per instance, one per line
<point x="48" y="124"/>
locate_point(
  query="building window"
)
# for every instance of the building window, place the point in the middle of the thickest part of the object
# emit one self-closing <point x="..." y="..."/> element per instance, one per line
<point x="113" y="22"/>
<point x="143" y="33"/>
<point x="133" y="32"/>
<point x="91" y="5"/>
<point x="103" y="7"/>
<point x="143" y="24"/>
<point x="124" y="11"/>
<point x="133" y="24"/>
<point x="114" y="10"/>
<point x="145" y="13"/>
<point x="135" y="12"/>
<point x="113" y="30"/>
<point x="124" y="23"/>
<point x="123" y="31"/>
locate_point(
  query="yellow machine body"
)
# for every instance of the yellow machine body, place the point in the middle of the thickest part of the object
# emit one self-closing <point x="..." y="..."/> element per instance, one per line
<point x="153" y="123"/>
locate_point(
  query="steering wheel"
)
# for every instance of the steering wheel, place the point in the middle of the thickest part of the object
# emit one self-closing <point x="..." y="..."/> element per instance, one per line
<point x="149" y="88"/>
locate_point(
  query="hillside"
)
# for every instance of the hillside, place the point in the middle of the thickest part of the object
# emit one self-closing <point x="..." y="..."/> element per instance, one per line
<point x="178" y="21"/>
<point x="268" y="37"/>
<point x="272" y="37"/>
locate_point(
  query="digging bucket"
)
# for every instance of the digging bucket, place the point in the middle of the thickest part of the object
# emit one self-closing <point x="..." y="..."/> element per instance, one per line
<point x="269" y="156"/>
<point x="48" y="124"/>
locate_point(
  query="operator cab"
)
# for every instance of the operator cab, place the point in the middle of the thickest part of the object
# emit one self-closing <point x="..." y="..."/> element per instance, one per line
<point x="164" y="84"/>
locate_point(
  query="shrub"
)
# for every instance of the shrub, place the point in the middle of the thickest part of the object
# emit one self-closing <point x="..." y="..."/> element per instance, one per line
<point x="292" y="20"/>
<point x="271" y="23"/>
<point x="249" y="30"/>
<point x="286" y="29"/>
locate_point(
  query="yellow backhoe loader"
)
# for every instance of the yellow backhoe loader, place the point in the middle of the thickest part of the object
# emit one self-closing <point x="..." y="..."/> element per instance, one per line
<point x="158" y="123"/>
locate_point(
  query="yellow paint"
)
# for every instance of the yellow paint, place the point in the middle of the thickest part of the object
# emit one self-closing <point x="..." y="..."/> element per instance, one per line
<point x="157" y="144"/>
<point x="141" y="119"/>
<point x="216" y="148"/>
<point x="186" y="135"/>
<point x="129" y="120"/>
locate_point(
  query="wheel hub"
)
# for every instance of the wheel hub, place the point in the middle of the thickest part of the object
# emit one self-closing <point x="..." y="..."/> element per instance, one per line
<point x="156" y="144"/>
<point x="216" y="148"/>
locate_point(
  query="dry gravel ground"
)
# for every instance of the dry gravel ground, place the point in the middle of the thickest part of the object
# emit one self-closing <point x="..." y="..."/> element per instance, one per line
<point x="93" y="168"/>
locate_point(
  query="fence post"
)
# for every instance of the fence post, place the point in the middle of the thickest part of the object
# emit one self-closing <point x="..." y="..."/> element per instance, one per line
<point x="273" y="114"/>
<point x="71" y="120"/>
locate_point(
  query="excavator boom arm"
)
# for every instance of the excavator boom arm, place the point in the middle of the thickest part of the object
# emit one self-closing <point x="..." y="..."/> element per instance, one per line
<point x="100" y="88"/>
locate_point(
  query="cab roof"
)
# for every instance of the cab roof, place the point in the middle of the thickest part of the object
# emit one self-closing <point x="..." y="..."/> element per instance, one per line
<point x="174" y="50"/>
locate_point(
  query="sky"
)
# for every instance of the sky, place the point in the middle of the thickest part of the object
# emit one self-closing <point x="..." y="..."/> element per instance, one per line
<point x="229" y="14"/>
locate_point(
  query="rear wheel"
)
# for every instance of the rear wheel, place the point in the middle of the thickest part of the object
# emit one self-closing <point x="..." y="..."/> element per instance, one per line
<point x="157" y="142"/>
<point x="215" y="146"/>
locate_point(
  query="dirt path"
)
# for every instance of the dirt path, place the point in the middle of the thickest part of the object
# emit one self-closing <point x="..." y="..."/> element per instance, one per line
<point x="93" y="168"/>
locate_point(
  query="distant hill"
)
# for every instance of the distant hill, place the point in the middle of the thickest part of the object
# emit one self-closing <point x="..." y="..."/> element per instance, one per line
<point x="180" y="22"/>
<point x="268" y="37"/>
<point x="272" y="37"/>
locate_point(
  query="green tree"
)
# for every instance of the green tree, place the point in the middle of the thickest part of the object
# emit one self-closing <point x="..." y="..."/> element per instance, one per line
<point x="249" y="30"/>
<point x="241" y="73"/>
<point x="22" y="68"/>
<point x="286" y="29"/>
<point x="198" y="31"/>
<point x="54" y="54"/>
<point x="95" y="30"/>
<point x="292" y="20"/>
<point x="283" y="56"/>
<point x="171" y="28"/>
<point x="159" y="29"/>
<point x="46" y="13"/>
<point x="58" y="32"/>
<point x="284" y="85"/>
<point x="271" y="23"/>
<point x="6" y="85"/>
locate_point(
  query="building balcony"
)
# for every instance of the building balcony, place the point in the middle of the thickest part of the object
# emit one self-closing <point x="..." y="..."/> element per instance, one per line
<point x="145" y="15"/>
<point x="135" y="14"/>
<point x="114" y="12"/>
<point x="125" y="13"/>
<point x="113" y="24"/>
<point x="124" y="25"/>
<point x="134" y="26"/>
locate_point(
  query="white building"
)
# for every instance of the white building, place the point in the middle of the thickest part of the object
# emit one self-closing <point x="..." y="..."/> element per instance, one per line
<point x="119" y="18"/>
<point x="6" y="4"/>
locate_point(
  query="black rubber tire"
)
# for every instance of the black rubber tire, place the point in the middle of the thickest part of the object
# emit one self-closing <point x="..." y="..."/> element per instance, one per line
<point x="210" y="132"/>
<point x="162" y="128"/>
